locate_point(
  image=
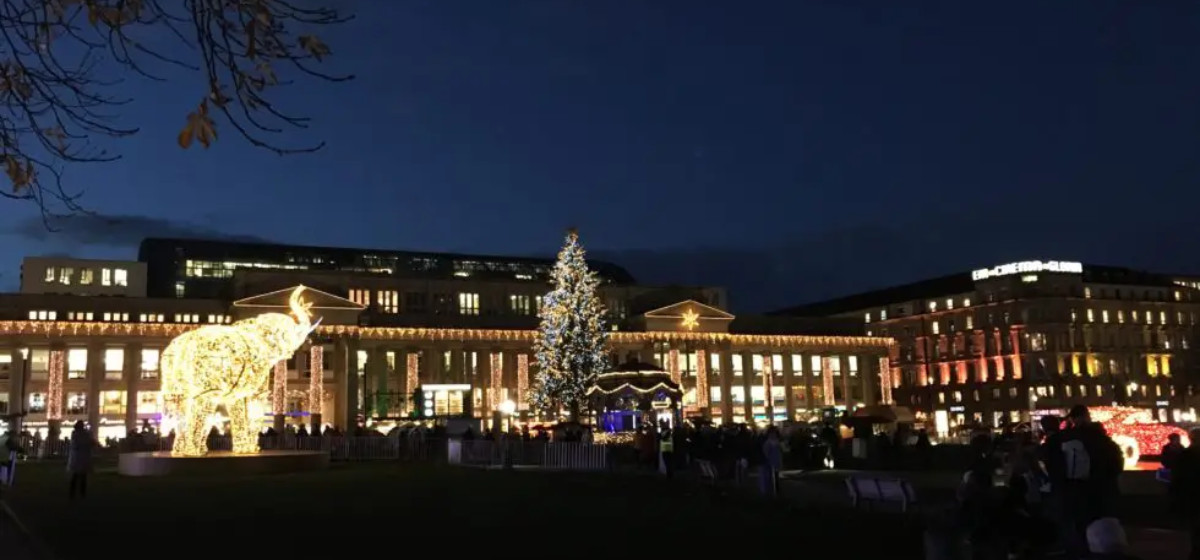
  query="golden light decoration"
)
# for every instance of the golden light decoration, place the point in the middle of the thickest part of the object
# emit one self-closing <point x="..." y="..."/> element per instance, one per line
<point x="523" y="381"/>
<point x="54" y="398"/>
<point x="279" y="388"/>
<point x="673" y="364"/>
<point x="691" y="320"/>
<point x="230" y="366"/>
<point x="885" y="379"/>
<point x="497" y="366"/>
<point x="167" y="330"/>
<point x="412" y="367"/>
<point x="768" y="370"/>
<point x="827" y="380"/>
<point x="702" y="378"/>
<point x="316" y="379"/>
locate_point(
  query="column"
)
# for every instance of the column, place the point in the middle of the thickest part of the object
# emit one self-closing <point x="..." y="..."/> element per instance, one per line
<point x="16" y="388"/>
<point x="131" y="376"/>
<point x="726" y="384"/>
<point x="345" y="366"/>
<point x="458" y="370"/>
<point x="509" y="378"/>
<point x="55" y="399"/>
<point x="788" y="377"/>
<point x="747" y="383"/>
<point x="316" y="387"/>
<point x="869" y="375"/>
<point x="806" y="368"/>
<point x="376" y="390"/>
<point x="279" y="395"/>
<point x="483" y="379"/>
<point x="95" y="376"/>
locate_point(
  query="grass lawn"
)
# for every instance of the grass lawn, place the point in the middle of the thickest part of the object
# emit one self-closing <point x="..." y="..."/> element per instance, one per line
<point x="396" y="509"/>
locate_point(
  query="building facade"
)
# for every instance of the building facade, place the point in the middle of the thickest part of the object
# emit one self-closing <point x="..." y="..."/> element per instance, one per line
<point x="67" y="357"/>
<point x="993" y="345"/>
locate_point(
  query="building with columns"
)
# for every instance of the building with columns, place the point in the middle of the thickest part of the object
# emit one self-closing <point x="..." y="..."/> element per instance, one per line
<point x="69" y="356"/>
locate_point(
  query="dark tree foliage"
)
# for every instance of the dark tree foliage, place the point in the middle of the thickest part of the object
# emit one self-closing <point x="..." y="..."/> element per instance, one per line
<point x="62" y="60"/>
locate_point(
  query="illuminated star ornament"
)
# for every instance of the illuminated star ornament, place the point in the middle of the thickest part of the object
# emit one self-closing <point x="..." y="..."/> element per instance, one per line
<point x="691" y="320"/>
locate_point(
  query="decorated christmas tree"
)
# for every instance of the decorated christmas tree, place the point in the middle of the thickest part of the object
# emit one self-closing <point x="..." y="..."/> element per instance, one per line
<point x="572" y="340"/>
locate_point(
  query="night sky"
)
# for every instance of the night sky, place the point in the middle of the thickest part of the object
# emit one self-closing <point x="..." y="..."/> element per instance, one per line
<point x="788" y="150"/>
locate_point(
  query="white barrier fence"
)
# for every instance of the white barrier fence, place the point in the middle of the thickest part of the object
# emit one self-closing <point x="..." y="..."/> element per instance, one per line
<point x="558" y="455"/>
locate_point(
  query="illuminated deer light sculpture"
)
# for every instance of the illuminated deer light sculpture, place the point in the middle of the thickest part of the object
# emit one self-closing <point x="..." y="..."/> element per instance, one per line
<point x="228" y="365"/>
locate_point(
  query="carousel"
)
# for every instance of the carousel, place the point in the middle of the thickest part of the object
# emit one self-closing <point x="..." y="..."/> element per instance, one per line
<point x="634" y="395"/>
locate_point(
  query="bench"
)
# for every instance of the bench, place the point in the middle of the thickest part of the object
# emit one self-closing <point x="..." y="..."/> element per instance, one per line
<point x="867" y="491"/>
<point x="8" y="469"/>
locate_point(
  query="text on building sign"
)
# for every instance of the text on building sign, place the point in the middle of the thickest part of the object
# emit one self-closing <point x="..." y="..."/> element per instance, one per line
<point x="1027" y="266"/>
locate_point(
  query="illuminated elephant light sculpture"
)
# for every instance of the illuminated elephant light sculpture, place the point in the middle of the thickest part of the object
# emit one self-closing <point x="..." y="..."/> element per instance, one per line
<point x="228" y="365"/>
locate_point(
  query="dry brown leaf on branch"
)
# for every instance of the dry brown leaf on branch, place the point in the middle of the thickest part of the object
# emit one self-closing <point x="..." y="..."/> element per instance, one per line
<point x="199" y="127"/>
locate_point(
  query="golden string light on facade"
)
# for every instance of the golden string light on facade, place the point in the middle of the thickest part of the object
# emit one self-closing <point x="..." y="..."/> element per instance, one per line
<point x="885" y="380"/>
<point x="497" y="370"/>
<point x="168" y="330"/>
<point x="768" y="371"/>
<point x="522" y="381"/>
<point x="690" y="320"/>
<point x="673" y="364"/>
<point x="279" y="388"/>
<point x="316" y="379"/>
<point x="228" y="365"/>
<point x="412" y="367"/>
<point x="827" y="380"/>
<point x="54" y="397"/>
<point x="702" y="393"/>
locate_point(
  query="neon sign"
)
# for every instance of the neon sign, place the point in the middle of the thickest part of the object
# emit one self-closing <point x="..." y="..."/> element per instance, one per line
<point x="1064" y="267"/>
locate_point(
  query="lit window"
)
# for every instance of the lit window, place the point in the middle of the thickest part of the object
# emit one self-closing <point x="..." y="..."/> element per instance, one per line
<point x="966" y="302"/>
<point x="949" y="303"/>
<point x="150" y="363"/>
<point x="1087" y="292"/>
<point x="77" y="363"/>
<point x="867" y="318"/>
<point x="520" y="304"/>
<point x="50" y="274"/>
<point x="106" y="277"/>
<point x="1104" y="315"/>
<point x="85" y="277"/>
<point x="936" y="327"/>
<point x="120" y="277"/>
<point x="468" y="304"/>
<point x="1091" y="316"/>
<point x="114" y="362"/>
<point x="933" y="306"/>
<point x="180" y="289"/>
<point x="65" y="274"/>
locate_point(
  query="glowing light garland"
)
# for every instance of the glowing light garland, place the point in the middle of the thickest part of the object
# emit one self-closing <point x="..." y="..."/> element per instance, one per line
<point x="1135" y="430"/>
<point x="702" y="379"/>
<point x="767" y="372"/>
<point x="522" y="381"/>
<point x="279" y="388"/>
<point x="885" y="380"/>
<point x="316" y="380"/>
<point x="572" y="338"/>
<point x="827" y="380"/>
<point x="412" y="369"/>
<point x="673" y="364"/>
<point x="170" y="330"/>
<point x="496" y="381"/>
<point x="54" y="399"/>
<point x="229" y="365"/>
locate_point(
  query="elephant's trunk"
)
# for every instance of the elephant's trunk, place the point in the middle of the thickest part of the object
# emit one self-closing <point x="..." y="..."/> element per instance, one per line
<point x="300" y="309"/>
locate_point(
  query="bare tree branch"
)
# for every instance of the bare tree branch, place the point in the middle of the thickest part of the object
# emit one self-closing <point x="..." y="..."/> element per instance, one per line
<point x="53" y="103"/>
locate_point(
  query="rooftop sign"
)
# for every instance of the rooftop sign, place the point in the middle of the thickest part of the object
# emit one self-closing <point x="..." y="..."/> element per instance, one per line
<point x="1024" y="267"/>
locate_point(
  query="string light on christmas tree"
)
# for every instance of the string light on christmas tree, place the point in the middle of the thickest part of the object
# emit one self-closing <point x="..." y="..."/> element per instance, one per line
<point x="228" y="365"/>
<point x="316" y="379"/>
<point x="522" y="381"/>
<point x="571" y="343"/>
<point x="54" y="400"/>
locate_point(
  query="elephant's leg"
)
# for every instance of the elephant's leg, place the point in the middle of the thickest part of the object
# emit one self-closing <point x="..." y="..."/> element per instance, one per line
<point x="242" y="427"/>
<point x="191" y="436"/>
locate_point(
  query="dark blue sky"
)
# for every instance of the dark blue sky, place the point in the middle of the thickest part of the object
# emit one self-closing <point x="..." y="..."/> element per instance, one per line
<point x="790" y="150"/>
